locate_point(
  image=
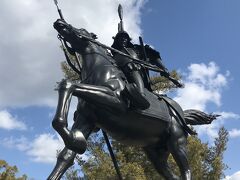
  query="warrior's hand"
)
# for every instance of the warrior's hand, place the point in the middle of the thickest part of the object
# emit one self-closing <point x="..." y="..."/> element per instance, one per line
<point x="168" y="76"/>
<point x="151" y="52"/>
<point x="176" y="82"/>
<point x="165" y="73"/>
<point x="179" y="85"/>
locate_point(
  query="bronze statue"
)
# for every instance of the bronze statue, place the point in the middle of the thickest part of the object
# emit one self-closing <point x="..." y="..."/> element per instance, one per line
<point x="104" y="94"/>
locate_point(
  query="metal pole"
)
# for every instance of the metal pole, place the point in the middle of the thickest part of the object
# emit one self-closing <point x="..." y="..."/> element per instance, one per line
<point x="112" y="155"/>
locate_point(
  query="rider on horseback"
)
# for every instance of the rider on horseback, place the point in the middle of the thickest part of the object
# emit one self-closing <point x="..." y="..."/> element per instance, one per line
<point x="137" y="75"/>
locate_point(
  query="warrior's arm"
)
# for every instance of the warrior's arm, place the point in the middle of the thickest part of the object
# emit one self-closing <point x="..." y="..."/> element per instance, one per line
<point x="155" y="58"/>
<point x="158" y="62"/>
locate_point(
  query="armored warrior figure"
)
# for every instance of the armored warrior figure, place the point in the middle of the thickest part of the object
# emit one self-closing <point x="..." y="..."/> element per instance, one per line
<point x="135" y="73"/>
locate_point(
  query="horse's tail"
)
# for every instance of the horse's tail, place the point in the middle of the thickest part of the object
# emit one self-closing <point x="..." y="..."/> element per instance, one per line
<point x="196" y="117"/>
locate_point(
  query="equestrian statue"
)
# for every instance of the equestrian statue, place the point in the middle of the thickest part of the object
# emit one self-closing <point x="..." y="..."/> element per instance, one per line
<point x="114" y="94"/>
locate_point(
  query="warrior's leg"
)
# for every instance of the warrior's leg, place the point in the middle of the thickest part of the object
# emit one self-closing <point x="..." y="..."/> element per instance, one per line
<point x="101" y="96"/>
<point x="137" y="92"/>
<point x="159" y="156"/>
<point x="135" y="77"/>
<point x="177" y="146"/>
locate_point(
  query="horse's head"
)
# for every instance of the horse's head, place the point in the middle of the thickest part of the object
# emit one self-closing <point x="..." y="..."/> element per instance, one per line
<point x="73" y="35"/>
<point x="64" y="29"/>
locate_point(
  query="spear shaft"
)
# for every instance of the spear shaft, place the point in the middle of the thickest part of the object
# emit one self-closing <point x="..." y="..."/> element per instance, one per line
<point x="59" y="10"/>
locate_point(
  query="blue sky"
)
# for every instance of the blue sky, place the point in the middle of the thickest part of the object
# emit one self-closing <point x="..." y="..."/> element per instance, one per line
<point x="198" y="38"/>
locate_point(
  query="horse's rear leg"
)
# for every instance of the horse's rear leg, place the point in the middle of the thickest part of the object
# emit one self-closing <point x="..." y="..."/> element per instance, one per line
<point x="159" y="156"/>
<point x="177" y="145"/>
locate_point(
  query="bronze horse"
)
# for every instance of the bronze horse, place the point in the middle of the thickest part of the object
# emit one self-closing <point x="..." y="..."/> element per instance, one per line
<point x="104" y="103"/>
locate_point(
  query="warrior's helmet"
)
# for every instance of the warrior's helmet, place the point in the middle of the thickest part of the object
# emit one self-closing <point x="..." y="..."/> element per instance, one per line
<point x="121" y="33"/>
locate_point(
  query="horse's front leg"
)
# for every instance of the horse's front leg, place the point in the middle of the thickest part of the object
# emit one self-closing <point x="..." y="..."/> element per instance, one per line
<point x="59" y="123"/>
<point x="66" y="157"/>
<point x="65" y="160"/>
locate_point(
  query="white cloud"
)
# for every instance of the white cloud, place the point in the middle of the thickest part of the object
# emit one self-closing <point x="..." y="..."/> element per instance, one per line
<point x="211" y="130"/>
<point x="234" y="133"/>
<point x="29" y="49"/>
<point x="44" y="148"/>
<point x="206" y="74"/>
<point x="7" y="121"/>
<point x="235" y="176"/>
<point x="203" y="84"/>
<point x="21" y="143"/>
<point x="72" y="109"/>
<point x="228" y="115"/>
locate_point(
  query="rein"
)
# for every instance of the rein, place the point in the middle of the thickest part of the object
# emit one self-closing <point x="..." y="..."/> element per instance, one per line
<point x="65" y="50"/>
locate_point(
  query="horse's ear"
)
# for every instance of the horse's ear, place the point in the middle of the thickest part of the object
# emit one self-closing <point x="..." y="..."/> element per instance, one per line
<point x="94" y="36"/>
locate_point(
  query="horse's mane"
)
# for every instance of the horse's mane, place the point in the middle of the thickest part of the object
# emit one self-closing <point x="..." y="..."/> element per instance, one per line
<point x="86" y="33"/>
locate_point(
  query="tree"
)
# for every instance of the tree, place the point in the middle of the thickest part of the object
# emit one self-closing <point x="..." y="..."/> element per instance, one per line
<point x="216" y="155"/>
<point x="160" y="83"/>
<point x="72" y="174"/>
<point x="206" y="161"/>
<point x="8" y="172"/>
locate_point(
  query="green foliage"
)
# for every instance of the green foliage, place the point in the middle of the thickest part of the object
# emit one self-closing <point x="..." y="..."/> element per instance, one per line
<point x="198" y="153"/>
<point x="8" y="172"/>
<point x="160" y="83"/>
<point x="72" y="174"/>
<point x="67" y="70"/>
<point x="216" y="155"/>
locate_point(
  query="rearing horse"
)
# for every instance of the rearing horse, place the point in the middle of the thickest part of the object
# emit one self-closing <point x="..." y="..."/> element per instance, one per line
<point x="104" y="103"/>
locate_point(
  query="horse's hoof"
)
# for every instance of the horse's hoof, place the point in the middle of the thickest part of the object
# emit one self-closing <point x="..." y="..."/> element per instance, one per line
<point x="77" y="142"/>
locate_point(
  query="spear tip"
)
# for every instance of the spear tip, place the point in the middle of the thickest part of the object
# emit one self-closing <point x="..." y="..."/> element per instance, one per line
<point x="56" y="2"/>
<point x="120" y="11"/>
